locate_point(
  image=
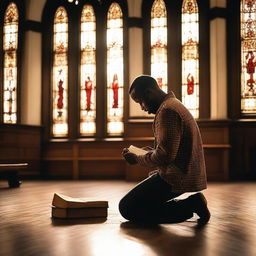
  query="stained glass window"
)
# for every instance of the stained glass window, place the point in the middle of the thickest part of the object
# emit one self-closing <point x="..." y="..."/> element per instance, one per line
<point x="88" y="72"/>
<point x="159" y="43"/>
<point x="115" y="76"/>
<point x="190" y="56"/>
<point x="10" y="46"/>
<point x="60" y="74"/>
<point x="248" y="56"/>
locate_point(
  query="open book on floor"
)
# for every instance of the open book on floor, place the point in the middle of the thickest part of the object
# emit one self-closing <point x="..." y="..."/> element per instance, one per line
<point x="63" y="201"/>
<point x="72" y="213"/>
<point x="71" y="207"/>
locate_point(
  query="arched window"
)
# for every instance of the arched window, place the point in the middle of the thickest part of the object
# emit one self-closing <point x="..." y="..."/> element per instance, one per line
<point x="115" y="70"/>
<point x="60" y="74"/>
<point x="248" y="56"/>
<point x="88" y="72"/>
<point x="190" y="56"/>
<point x="159" y="43"/>
<point x="187" y="27"/>
<point x="10" y="47"/>
<point x="84" y="72"/>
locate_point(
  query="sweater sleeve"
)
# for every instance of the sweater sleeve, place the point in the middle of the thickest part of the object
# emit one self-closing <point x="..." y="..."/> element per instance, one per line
<point x="168" y="132"/>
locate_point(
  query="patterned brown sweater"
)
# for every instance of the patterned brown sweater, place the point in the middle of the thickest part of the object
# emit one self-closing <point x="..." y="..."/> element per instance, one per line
<point x="178" y="153"/>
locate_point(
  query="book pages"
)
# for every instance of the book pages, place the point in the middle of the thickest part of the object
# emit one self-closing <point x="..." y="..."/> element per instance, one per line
<point x="137" y="151"/>
<point x="63" y="201"/>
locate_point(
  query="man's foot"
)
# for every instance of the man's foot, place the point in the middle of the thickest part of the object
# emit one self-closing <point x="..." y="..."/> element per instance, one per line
<point x="199" y="204"/>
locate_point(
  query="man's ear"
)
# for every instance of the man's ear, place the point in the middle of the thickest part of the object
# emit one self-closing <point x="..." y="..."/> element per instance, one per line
<point x="148" y="93"/>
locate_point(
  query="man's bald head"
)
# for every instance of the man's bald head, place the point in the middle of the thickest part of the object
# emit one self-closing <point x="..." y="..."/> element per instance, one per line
<point x="146" y="92"/>
<point x="142" y="84"/>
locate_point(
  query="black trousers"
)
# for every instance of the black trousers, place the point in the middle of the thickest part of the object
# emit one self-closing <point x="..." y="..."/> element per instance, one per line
<point x="152" y="201"/>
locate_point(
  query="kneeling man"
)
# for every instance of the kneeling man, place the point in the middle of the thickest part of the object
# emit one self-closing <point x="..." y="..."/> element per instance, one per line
<point x="177" y="156"/>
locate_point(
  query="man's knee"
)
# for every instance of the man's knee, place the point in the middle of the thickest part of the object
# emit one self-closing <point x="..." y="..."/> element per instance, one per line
<point x="126" y="208"/>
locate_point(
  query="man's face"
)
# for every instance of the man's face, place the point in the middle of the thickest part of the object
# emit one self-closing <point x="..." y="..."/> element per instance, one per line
<point x="145" y="102"/>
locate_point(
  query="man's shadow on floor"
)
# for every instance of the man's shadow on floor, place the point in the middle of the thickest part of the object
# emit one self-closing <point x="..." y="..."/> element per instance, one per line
<point x="166" y="240"/>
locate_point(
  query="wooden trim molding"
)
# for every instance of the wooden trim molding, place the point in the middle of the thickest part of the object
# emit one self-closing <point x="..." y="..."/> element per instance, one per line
<point x="31" y="25"/>
<point x="234" y="59"/>
<point x="204" y="59"/>
<point x="135" y="22"/>
<point x="218" y="12"/>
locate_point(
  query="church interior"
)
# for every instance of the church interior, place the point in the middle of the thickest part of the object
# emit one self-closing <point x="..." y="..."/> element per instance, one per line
<point x="66" y="114"/>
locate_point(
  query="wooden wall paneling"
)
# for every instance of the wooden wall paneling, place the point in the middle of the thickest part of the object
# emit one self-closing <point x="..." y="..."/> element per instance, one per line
<point x="137" y="128"/>
<point x="243" y="153"/>
<point x="217" y="146"/>
<point x="215" y="131"/>
<point x="216" y="160"/>
<point x="57" y="150"/>
<point x="215" y="135"/>
<point x="75" y="169"/>
<point x="58" y="169"/>
<point x="99" y="149"/>
<point x="216" y="142"/>
<point x="57" y="160"/>
<point x="217" y="163"/>
<point x="103" y="157"/>
<point x="21" y="143"/>
<point x="102" y="168"/>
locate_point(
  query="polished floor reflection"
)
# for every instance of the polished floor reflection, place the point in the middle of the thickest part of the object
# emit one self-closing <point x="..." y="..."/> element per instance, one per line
<point x="26" y="227"/>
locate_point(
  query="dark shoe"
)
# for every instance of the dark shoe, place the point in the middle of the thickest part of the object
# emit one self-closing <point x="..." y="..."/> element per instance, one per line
<point x="199" y="204"/>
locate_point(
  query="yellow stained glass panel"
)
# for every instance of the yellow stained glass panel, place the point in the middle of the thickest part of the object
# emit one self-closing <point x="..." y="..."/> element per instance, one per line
<point x="159" y="43"/>
<point x="190" y="56"/>
<point x="10" y="46"/>
<point x="88" y="72"/>
<point x="248" y="56"/>
<point x="115" y="70"/>
<point x="60" y="74"/>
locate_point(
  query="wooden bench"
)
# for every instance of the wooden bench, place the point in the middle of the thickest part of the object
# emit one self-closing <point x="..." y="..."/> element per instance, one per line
<point x="10" y="172"/>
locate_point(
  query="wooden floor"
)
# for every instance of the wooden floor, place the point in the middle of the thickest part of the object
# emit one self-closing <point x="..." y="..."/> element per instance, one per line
<point x="26" y="227"/>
